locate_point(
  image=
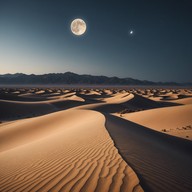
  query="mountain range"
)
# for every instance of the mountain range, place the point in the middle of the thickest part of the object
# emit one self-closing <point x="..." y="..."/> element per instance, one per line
<point x="73" y="78"/>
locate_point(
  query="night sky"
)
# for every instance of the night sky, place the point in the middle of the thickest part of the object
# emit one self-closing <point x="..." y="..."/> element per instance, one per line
<point x="35" y="37"/>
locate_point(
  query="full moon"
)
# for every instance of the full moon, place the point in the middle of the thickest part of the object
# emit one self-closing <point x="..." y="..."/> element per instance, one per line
<point x="78" y="27"/>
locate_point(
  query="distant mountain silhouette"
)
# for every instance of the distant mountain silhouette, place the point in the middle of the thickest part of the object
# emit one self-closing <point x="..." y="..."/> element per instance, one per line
<point x="72" y="78"/>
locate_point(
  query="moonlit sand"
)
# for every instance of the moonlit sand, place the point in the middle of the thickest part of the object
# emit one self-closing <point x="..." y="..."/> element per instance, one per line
<point x="56" y="139"/>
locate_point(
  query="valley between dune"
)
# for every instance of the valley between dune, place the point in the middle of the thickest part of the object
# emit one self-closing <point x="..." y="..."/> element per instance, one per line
<point x="95" y="140"/>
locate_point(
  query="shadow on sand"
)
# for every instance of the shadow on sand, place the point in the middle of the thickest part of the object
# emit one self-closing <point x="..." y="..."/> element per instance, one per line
<point x="162" y="162"/>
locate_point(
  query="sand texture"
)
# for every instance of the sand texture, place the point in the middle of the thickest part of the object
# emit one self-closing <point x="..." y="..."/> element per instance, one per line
<point x="84" y="139"/>
<point x="63" y="151"/>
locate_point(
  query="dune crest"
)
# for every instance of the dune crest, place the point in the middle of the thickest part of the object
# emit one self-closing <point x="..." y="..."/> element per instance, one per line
<point x="73" y="152"/>
<point x="174" y="121"/>
<point x="58" y="140"/>
<point x="163" y="162"/>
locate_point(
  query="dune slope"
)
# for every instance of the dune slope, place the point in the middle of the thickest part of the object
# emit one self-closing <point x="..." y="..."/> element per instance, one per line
<point x="72" y="152"/>
<point x="162" y="162"/>
<point x="175" y="121"/>
<point x="21" y="109"/>
<point x="127" y="102"/>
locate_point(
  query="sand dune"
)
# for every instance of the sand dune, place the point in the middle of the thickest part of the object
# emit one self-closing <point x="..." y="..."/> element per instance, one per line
<point x="65" y="151"/>
<point x="60" y="140"/>
<point x="114" y="104"/>
<point x="13" y="109"/>
<point x="184" y="101"/>
<point x="23" y="97"/>
<point x="125" y="103"/>
<point x="174" y="95"/>
<point x="169" y="120"/>
<point x="16" y="110"/>
<point x="162" y="162"/>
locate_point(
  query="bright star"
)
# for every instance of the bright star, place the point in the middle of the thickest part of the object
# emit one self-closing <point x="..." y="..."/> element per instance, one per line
<point x="131" y="32"/>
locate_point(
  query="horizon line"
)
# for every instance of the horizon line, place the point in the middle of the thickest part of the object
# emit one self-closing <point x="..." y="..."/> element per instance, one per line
<point x="97" y="76"/>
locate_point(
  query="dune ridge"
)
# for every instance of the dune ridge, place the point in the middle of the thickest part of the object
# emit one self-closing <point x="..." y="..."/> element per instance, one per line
<point x="161" y="161"/>
<point x="84" y="139"/>
<point x="176" y="121"/>
<point x="65" y="159"/>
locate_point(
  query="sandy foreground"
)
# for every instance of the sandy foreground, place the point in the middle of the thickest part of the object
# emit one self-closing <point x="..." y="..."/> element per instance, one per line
<point x="95" y="139"/>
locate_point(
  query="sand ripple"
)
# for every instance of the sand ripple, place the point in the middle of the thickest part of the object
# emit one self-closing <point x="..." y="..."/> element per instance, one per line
<point x="81" y="157"/>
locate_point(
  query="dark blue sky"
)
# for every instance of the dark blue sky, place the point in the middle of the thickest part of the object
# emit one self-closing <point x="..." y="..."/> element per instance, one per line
<point x="35" y="37"/>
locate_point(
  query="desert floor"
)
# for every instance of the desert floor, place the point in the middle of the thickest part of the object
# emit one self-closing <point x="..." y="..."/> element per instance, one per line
<point x="89" y="139"/>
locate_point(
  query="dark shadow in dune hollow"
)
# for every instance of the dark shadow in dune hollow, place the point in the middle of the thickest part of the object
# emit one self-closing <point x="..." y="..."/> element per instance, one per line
<point x="137" y="103"/>
<point x="162" y="162"/>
